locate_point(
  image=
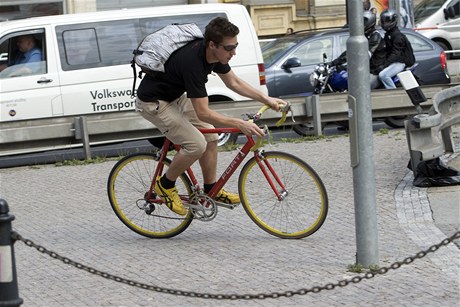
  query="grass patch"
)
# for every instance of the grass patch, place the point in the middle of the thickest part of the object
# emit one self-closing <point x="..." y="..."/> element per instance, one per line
<point x="308" y="138"/>
<point x="359" y="268"/>
<point x="76" y="162"/>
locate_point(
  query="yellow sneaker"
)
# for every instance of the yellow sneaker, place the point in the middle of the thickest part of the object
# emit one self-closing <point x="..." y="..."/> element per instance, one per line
<point x="227" y="197"/>
<point x="171" y="198"/>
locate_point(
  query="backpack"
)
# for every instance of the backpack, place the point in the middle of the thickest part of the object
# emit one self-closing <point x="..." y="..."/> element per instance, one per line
<point x="409" y="53"/>
<point x="156" y="48"/>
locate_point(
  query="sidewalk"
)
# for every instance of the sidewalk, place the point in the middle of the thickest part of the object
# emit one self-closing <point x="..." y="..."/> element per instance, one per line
<point x="65" y="209"/>
<point x="445" y="203"/>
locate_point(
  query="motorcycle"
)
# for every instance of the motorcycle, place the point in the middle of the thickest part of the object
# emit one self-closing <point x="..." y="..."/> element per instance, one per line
<point x="329" y="78"/>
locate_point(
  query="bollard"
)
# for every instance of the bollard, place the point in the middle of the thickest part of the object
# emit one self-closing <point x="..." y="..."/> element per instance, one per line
<point x="9" y="294"/>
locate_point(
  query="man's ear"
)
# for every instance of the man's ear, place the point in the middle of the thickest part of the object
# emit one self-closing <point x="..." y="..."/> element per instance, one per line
<point x="212" y="44"/>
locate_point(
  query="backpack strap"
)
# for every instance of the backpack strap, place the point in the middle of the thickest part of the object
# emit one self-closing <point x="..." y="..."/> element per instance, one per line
<point x="133" y="65"/>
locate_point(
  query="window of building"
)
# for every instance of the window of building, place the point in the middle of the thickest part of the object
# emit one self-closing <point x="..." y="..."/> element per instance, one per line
<point x="26" y="9"/>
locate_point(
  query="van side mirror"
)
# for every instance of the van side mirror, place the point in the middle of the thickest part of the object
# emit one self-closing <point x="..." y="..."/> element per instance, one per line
<point x="449" y="12"/>
<point x="291" y="62"/>
<point x="324" y="56"/>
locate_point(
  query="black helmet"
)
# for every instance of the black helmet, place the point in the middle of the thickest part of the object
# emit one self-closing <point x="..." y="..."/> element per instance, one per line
<point x="369" y="21"/>
<point x="388" y="19"/>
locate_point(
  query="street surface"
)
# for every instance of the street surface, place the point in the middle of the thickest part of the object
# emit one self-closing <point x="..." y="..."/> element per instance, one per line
<point x="66" y="210"/>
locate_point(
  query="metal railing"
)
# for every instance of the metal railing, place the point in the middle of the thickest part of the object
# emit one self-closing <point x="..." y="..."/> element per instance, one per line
<point x="27" y="136"/>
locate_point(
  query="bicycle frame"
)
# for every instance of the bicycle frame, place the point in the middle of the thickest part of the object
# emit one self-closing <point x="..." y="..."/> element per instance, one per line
<point x="137" y="205"/>
<point x="266" y="168"/>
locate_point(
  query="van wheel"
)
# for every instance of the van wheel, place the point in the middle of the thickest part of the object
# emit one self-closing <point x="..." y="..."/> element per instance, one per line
<point x="306" y="129"/>
<point x="396" y="121"/>
<point x="225" y="138"/>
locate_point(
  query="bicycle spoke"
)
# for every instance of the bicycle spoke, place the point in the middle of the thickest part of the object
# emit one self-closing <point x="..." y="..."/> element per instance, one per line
<point x="300" y="213"/>
<point x="128" y="184"/>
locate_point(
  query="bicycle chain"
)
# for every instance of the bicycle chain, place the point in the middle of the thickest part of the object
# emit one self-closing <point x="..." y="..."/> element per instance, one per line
<point x="330" y="286"/>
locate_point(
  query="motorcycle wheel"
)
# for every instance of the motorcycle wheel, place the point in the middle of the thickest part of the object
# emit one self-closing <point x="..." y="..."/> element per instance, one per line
<point x="306" y="129"/>
<point x="396" y="121"/>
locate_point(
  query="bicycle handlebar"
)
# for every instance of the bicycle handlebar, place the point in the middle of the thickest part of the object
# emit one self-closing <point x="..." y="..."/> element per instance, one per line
<point x="284" y="109"/>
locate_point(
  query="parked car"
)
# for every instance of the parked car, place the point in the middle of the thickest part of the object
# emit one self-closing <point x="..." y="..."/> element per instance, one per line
<point x="285" y="77"/>
<point x="439" y="20"/>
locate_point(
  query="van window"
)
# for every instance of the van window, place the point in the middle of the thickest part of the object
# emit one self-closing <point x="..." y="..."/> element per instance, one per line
<point x="23" y="54"/>
<point x="149" y="25"/>
<point x="96" y="44"/>
<point x="111" y="43"/>
<point x="429" y="7"/>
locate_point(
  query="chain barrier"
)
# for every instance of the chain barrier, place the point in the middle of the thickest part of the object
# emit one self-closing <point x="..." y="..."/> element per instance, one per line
<point x="330" y="286"/>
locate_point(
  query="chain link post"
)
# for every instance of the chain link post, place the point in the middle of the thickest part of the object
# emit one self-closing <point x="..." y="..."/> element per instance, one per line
<point x="9" y="294"/>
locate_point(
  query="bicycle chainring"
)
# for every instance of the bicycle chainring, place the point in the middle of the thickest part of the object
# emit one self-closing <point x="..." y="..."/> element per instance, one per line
<point x="203" y="207"/>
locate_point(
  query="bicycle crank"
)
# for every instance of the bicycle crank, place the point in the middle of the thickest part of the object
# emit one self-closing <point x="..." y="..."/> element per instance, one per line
<point x="203" y="207"/>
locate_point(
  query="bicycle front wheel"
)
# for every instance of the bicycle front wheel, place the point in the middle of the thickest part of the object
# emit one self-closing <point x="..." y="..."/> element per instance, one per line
<point x="302" y="206"/>
<point x="127" y="187"/>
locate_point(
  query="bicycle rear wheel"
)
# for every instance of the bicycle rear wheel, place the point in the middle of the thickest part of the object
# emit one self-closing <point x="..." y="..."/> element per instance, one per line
<point x="304" y="204"/>
<point x="127" y="187"/>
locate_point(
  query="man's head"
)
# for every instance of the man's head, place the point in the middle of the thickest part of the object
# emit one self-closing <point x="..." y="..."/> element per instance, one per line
<point x="220" y="37"/>
<point x="25" y="43"/>
<point x="389" y="19"/>
<point x="369" y="22"/>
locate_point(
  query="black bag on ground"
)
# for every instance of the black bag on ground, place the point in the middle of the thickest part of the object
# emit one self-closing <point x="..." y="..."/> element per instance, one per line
<point x="435" y="173"/>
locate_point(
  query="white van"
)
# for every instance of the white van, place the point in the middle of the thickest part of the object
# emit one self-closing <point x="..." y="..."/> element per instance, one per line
<point x="85" y="65"/>
<point x="440" y="21"/>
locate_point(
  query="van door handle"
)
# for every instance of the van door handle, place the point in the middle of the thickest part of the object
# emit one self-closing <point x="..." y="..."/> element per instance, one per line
<point x="44" y="80"/>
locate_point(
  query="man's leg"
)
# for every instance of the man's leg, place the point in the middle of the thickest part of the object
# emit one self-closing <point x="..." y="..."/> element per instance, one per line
<point x="386" y="74"/>
<point x="169" y="120"/>
<point x="374" y="81"/>
<point x="208" y="163"/>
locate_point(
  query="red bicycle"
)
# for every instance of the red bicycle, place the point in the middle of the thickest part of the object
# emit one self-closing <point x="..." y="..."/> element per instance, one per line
<point x="281" y="193"/>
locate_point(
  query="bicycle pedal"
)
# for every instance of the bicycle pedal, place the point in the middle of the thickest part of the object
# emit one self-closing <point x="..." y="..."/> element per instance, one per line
<point x="225" y="205"/>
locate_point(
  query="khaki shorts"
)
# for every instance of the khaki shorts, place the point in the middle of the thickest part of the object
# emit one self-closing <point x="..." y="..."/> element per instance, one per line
<point x="178" y="121"/>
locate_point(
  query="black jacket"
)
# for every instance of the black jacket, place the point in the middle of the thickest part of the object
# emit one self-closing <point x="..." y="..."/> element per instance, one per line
<point x="396" y="45"/>
<point x="377" y="52"/>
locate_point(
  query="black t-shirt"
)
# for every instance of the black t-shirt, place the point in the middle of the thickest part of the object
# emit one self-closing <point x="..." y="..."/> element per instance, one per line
<point x="185" y="71"/>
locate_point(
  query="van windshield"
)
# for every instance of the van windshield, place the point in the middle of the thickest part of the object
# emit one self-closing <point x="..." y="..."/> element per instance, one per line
<point x="427" y="8"/>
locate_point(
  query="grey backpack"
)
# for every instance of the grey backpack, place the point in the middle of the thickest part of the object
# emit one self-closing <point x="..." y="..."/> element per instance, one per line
<point x="156" y="48"/>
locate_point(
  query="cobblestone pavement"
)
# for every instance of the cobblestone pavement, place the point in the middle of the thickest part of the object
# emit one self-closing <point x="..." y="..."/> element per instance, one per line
<point x="66" y="210"/>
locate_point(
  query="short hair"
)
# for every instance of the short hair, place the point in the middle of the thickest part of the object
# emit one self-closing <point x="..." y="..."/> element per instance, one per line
<point x="218" y="28"/>
<point x="28" y="37"/>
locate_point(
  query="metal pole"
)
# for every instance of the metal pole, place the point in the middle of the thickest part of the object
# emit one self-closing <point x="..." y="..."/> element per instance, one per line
<point x="361" y="138"/>
<point x="395" y="5"/>
<point x="85" y="137"/>
<point x="9" y="294"/>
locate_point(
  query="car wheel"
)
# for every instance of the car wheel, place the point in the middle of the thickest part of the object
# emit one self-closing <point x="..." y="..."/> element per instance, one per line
<point x="396" y="121"/>
<point x="445" y="48"/>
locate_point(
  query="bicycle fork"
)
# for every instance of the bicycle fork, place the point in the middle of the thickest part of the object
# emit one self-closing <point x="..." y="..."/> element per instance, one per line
<point x="269" y="172"/>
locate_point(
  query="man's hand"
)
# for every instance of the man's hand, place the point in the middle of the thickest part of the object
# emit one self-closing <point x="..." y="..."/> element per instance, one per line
<point x="276" y="103"/>
<point x="250" y="128"/>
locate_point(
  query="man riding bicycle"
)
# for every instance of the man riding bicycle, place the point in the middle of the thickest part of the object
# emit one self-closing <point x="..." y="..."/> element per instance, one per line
<point x="176" y="102"/>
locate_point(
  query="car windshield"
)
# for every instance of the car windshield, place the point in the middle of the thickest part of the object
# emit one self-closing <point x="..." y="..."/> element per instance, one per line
<point x="427" y="8"/>
<point x="275" y="49"/>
